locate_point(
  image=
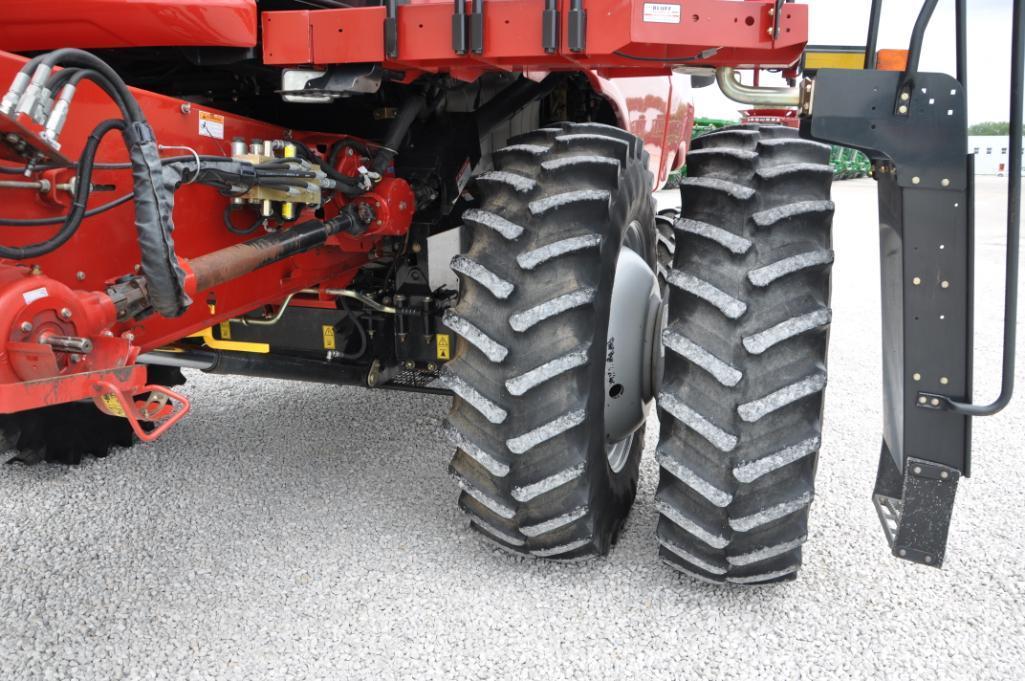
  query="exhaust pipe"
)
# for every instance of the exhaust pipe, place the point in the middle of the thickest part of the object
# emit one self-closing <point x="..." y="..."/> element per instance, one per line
<point x="772" y="97"/>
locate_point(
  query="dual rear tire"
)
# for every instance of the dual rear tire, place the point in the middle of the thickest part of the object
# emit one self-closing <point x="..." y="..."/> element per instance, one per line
<point x="746" y="270"/>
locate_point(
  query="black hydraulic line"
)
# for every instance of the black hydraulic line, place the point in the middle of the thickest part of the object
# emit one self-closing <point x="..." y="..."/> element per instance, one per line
<point x="74" y="218"/>
<point x="260" y="365"/>
<point x="477" y="26"/>
<point x="241" y="231"/>
<point x="874" y="17"/>
<point x="550" y="26"/>
<point x="512" y="99"/>
<point x="459" y="37"/>
<point x="1013" y="225"/>
<point x="411" y="109"/>
<point x="43" y="222"/>
<point x="961" y="27"/>
<point x="70" y="56"/>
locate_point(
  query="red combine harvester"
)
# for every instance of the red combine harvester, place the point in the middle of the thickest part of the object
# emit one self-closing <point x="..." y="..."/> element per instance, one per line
<point x="250" y="188"/>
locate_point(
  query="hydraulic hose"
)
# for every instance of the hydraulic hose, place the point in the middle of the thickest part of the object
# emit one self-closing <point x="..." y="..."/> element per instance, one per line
<point x="74" y="219"/>
<point x="411" y="109"/>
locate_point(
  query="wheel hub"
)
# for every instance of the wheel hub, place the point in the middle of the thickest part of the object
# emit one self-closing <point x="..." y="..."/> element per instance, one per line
<point x="630" y="349"/>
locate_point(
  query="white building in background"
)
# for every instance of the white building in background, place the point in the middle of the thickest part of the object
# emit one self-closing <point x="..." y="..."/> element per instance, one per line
<point x="991" y="154"/>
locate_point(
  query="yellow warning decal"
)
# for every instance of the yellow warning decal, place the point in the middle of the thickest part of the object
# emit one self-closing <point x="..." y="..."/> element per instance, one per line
<point x="225" y="330"/>
<point x="329" y="337"/>
<point x="444" y="351"/>
<point x="113" y="404"/>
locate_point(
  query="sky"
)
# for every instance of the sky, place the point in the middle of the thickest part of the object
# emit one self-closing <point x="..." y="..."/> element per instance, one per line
<point x="845" y="22"/>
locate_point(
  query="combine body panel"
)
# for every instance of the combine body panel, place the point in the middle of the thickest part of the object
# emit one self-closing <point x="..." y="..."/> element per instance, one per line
<point x="251" y="188"/>
<point x="33" y="25"/>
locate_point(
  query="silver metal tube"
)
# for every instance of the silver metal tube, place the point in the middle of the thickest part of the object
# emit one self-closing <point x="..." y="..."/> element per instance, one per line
<point x="175" y="359"/>
<point x="68" y="343"/>
<point x="249" y="321"/>
<point x="346" y="293"/>
<point x="729" y="83"/>
<point x="39" y="185"/>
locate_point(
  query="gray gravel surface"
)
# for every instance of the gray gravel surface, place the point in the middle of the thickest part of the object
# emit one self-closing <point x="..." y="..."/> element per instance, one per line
<point x="291" y="531"/>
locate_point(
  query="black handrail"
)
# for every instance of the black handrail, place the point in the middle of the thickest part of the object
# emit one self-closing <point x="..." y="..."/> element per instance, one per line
<point x="1013" y="226"/>
<point x="873" y="34"/>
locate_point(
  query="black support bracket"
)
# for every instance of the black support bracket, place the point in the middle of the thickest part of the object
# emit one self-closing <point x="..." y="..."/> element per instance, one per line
<point x="926" y="244"/>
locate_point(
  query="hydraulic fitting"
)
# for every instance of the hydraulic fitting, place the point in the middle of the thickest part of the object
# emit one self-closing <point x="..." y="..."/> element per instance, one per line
<point x="35" y="87"/>
<point x="41" y="111"/>
<point x="18" y="85"/>
<point x="56" y="120"/>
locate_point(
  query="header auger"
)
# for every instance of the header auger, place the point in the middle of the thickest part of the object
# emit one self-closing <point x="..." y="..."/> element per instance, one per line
<point x="168" y="206"/>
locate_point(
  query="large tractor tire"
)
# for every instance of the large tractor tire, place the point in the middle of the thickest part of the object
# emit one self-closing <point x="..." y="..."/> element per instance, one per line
<point x="66" y="433"/>
<point x="552" y="373"/>
<point x="745" y="356"/>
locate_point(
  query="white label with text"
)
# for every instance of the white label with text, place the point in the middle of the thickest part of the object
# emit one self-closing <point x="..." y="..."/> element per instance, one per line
<point x="661" y="13"/>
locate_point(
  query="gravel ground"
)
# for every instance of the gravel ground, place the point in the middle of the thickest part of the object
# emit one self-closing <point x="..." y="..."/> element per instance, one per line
<point x="292" y="531"/>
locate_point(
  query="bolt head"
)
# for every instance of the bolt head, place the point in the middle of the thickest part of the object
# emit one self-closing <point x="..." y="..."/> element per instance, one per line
<point x="26" y="326"/>
<point x="944" y="474"/>
<point x="945" y="182"/>
<point x="917" y="376"/>
<point x="916" y="281"/>
<point x="128" y="336"/>
<point x="945" y="284"/>
<point x="944" y="380"/>
<point x="37" y="270"/>
<point x="904" y="96"/>
<point x="923" y="399"/>
<point x="916" y="180"/>
<point x="80" y="276"/>
<point x="928" y="559"/>
<point x="918" y="470"/>
<point x="186" y="107"/>
<point x="903" y="109"/>
<point x="65" y="313"/>
<point x="935" y="402"/>
<point x="903" y="552"/>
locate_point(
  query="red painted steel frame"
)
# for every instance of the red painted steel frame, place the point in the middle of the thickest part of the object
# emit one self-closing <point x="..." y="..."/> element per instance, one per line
<point x="29" y="25"/>
<point x="105" y="248"/>
<point x="739" y="32"/>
